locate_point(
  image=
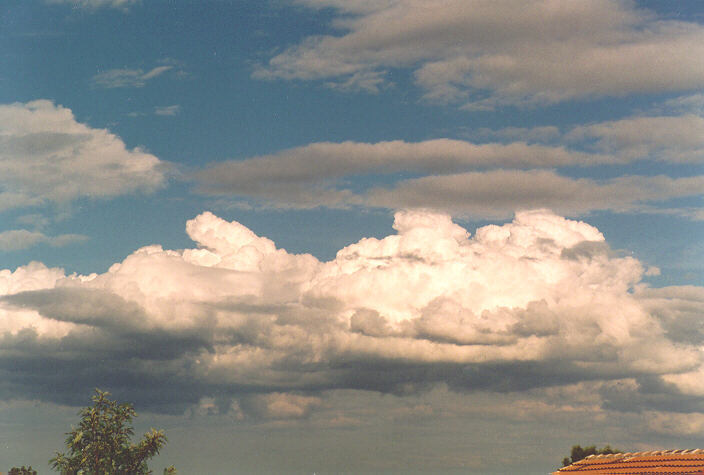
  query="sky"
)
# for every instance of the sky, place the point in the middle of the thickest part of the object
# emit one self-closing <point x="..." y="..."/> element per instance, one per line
<point x="354" y="236"/>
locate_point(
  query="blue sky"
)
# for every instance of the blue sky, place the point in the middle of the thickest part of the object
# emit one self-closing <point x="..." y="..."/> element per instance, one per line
<point x="271" y="215"/>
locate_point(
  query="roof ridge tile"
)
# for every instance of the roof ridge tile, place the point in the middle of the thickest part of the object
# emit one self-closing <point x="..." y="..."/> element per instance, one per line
<point x="678" y="461"/>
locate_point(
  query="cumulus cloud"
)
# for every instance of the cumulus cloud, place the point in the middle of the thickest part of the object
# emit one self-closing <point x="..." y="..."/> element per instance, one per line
<point x="114" y="78"/>
<point x="236" y="325"/>
<point x="488" y="53"/>
<point x="279" y="405"/>
<point x="47" y="156"/>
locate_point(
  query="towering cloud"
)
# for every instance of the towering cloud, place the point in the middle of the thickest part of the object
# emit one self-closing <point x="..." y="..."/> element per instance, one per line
<point x="242" y="325"/>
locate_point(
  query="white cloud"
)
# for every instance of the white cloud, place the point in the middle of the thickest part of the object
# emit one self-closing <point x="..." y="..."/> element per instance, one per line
<point x="488" y="53"/>
<point x="538" y="302"/>
<point x="279" y="405"/>
<point x="114" y="78"/>
<point x="17" y="239"/>
<point x="167" y="110"/>
<point x="34" y="276"/>
<point x="46" y="155"/>
<point x="368" y="81"/>
<point x="94" y="4"/>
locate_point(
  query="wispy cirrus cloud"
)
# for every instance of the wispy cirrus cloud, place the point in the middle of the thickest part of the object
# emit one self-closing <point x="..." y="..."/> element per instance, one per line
<point x="95" y="4"/>
<point x="167" y="110"/>
<point x="693" y="104"/>
<point x="115" y="78"/>
<point x="486" y="53"/>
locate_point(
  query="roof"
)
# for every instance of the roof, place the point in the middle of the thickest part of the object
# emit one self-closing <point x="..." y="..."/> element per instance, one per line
<point x="679" y="462"/>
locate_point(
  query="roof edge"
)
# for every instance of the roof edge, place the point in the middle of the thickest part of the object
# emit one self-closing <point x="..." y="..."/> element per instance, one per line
<point x="645" y="453"/>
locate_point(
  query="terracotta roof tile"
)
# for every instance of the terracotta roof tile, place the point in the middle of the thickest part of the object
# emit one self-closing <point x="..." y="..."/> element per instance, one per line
<point x="680" y="462"/>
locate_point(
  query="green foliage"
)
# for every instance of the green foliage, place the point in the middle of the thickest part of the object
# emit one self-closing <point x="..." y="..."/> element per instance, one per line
<point x="22" y="471"/>
<point x="101" y="442"/>
<point x="578" y="453"/>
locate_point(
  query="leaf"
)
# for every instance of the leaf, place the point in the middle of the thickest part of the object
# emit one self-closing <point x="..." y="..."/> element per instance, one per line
<point x="101" y="444"/>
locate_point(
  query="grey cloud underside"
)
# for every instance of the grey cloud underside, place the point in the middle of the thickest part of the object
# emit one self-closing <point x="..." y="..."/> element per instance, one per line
<point x="679" y="312"/>
<point x="157" y="368"/>
<point x="237" y="326"/>
<point x="648" y="393"/>
<point x="155" y="371"/>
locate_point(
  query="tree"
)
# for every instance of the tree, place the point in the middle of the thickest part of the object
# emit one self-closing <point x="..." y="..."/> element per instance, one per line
<point x="22" y="471"/>
<point x="101" y="442"/>
<point x="578" y="453"/>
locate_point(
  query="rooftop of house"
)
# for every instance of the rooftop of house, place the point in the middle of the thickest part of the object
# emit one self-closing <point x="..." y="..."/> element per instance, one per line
<point x="680" y="462"/>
